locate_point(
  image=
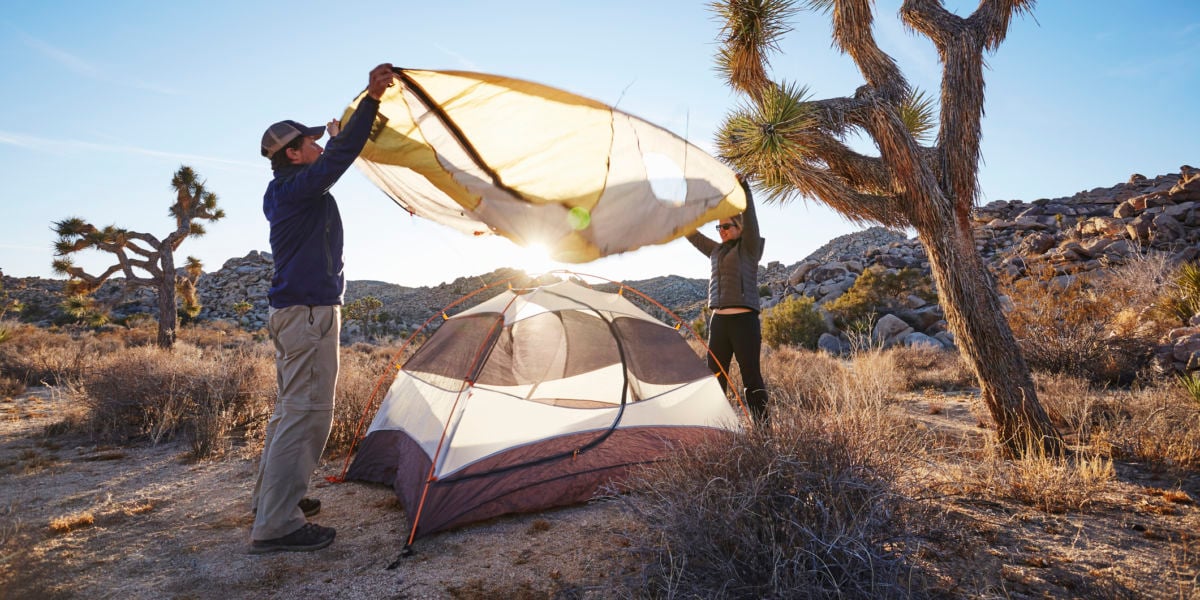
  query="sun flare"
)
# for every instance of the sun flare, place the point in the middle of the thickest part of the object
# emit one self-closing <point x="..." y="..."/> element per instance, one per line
<point x="535" y="259"/>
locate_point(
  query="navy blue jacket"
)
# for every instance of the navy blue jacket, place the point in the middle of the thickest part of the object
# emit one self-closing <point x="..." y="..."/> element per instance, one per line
<point x="306" y="227"/>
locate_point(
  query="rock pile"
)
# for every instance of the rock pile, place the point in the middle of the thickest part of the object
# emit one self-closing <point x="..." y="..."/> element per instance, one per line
<point x="1072" y="235"/>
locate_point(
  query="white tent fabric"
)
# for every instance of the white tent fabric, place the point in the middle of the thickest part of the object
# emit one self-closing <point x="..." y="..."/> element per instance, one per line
<point x="535" y="398"/>
<point x="487" y="154"/>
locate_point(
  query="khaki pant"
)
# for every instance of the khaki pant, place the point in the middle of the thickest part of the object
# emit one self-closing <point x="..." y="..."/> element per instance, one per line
<point x="306" y="365"/>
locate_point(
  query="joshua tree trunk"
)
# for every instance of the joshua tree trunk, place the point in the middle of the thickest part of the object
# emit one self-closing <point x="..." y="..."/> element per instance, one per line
<point x="972" y="307"/>
<point x="168" y="319"/>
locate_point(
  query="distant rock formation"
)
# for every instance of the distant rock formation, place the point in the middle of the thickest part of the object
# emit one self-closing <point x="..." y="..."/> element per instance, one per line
<point x="1072" y="235"/>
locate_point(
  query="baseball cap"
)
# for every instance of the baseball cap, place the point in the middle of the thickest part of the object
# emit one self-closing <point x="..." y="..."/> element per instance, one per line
<point x="278" y="135"/>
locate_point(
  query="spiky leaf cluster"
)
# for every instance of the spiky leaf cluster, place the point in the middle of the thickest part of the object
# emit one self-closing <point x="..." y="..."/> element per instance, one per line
<point x="770" y="137"/>
<point x="919" y="114"/>
<point x="749" y="30"/>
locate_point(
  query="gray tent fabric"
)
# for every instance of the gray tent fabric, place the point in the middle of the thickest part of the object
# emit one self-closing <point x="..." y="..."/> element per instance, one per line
<point x="534" y="399"/>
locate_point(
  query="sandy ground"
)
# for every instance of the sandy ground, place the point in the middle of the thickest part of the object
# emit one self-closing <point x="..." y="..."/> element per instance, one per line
<point x="164" y="527"/>
<point x="79" y="520"/>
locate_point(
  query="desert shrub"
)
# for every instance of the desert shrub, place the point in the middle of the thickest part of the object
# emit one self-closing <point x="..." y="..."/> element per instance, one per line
<point x="817" y="380"/>
<point x="930" y="368"/>
<point x="794" y="321"/>
<point x="1158" y="423"/>
<point x="366" y="374"/>
<point x="10" y="387"/>
<point x="879" y="291"/>
<point x="1179" y="298"/>
<point x="147" y="393"/>
<point x="37" y="356"/>
<point x="1090" y="327"/>
<point x="700" y="323"/>
<point x="807" y="508"/>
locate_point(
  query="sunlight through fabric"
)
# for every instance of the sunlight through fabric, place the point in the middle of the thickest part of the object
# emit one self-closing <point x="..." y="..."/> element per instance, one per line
<point x="492" y="155"/>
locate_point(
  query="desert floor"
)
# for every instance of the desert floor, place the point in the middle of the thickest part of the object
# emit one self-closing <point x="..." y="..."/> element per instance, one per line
<point x="78" y="520"/>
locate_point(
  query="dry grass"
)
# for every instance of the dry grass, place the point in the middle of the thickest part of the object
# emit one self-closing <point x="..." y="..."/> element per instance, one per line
<point x="44" y="357"/>
<point x="1047" y="483"/>
<point x="72" y="522"/>
<point x="216" y="387"/>
<point x="926" y="368"/>
<point x="1092" y="326"/>
<point x="812" y="506"/>
<point x="366" y="374"/>
<point x="1159" y="424"/>
<point x="153" y="394"/>
<point x="820" y="381"/>
<point x="870" y="482"/>
<point x="10" y="386"/>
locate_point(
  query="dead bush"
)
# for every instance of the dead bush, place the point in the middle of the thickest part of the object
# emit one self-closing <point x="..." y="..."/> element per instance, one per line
<point x="366" y="374"/>
<point x="929" y="368"/>
<point x="1090" y="326"/>
<point x="809" y="507"/>
<point x="1158" y="423"/>
<point x="155" y="394"/>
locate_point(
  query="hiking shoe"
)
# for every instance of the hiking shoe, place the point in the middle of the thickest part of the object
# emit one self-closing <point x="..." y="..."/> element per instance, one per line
<point x="310" y="506"/>
<point x="306" y="539"/>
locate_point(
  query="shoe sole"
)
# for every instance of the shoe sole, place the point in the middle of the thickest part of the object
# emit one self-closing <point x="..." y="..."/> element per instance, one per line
<point x="255" y="549"/>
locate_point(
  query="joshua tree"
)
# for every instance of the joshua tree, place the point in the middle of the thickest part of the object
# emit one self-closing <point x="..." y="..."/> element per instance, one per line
<point x="241" y="307"/>
<point x="362" y="310"/>
<point x="7" y="304"/>
<point x="145" y="253"/>
<point x="797" y="146"/>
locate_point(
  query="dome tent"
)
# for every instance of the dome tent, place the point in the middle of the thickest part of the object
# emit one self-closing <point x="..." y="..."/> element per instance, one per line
<point x="533" y="399"/>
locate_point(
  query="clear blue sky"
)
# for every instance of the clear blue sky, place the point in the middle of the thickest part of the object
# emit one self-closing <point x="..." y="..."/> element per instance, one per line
<point x="100" y="102"/>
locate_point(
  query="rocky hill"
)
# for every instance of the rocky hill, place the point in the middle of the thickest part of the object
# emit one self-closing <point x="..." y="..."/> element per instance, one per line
<point x="1073" y="235"/>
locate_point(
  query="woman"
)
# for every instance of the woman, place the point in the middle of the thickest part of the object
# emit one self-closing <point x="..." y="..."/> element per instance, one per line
<point x="733" y="330"/>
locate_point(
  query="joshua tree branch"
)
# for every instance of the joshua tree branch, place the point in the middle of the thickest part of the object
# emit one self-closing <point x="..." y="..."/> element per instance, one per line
<point x="993" y="17"/>
<point x="852" y="20"/>
<point x="931" y="19"/>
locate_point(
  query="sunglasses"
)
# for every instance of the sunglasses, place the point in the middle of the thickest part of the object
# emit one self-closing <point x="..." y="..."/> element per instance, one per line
<point x="724" y="226"/>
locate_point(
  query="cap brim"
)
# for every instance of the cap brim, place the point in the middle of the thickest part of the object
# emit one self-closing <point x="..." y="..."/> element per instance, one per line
<point x="315" y="132"/>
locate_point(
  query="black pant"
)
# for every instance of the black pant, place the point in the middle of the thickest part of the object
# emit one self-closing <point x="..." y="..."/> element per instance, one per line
<point x="739" y="336"/>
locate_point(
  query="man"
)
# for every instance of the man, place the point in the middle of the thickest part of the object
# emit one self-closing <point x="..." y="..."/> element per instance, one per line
<point x="305" y="318"/>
